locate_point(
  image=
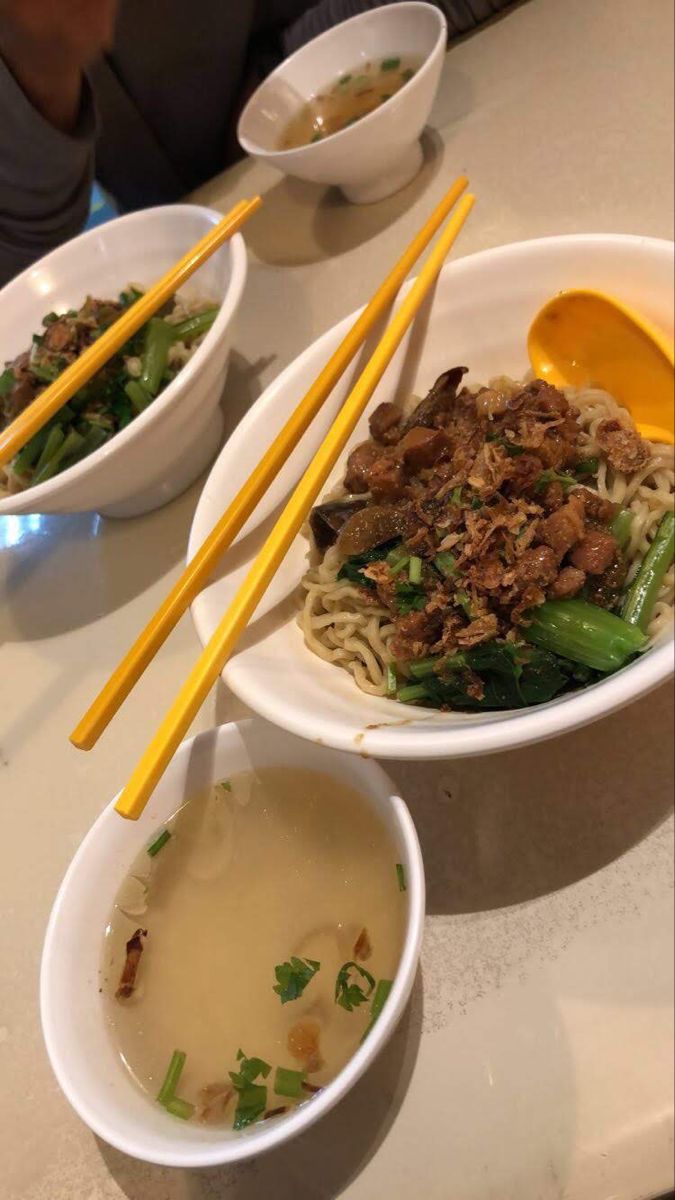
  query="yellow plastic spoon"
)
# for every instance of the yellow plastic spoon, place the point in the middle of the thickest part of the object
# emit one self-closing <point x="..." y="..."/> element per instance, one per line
<point x="583" y="338"/>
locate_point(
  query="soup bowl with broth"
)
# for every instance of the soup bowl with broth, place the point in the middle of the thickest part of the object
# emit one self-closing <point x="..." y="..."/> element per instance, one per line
<point x="217" y="975"/>
<point x="348" y="108"/>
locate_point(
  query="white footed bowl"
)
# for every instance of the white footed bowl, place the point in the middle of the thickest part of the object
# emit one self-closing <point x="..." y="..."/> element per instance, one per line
<point x="81" y="1051"/>
<point x="482" y="309"/>
<point x="162" y="451"/>
<point x="378" y="154"/>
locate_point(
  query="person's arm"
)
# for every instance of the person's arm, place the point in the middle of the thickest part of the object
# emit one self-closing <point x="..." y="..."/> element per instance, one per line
<point x="48" y="126"/>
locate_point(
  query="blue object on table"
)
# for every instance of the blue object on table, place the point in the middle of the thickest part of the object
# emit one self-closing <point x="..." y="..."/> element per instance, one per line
<point x="101" y="209"/>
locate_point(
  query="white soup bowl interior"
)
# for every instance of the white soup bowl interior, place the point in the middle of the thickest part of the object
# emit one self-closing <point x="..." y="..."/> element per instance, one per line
<point x="79" y="1045"/>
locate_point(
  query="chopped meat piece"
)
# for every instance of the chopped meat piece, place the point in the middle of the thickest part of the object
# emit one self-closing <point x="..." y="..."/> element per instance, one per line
<point x="539" y="565"/>
<point x="213" y="1100"/>
<point x="134" y="948"/>
<point x="60" y="335"/>
<point x="564" y="528"/>
<point x="386" y="479"/>
<point x="568" y="583"/>
<point x="358" y="464"/>
<point x="436" y="405"/>
<point x="606" y="589"/>
<point x="524" y="470"/>
<point x="487" y="574"/>
<point x="491" y="403"/>
<point x="540" y="397"/>
<point x="626" y="451"/>
<point x="595" y="551"/>
<point x="303" y="1044"/>
<point x="384" y="423"/>
<point x="421" y="447"/>
<point x="556" y="451"/>
<point x="596" y="507"/>
<point x="483" y="629"/>
<point x="553" y="496"/>
<point x="362" y="947"/>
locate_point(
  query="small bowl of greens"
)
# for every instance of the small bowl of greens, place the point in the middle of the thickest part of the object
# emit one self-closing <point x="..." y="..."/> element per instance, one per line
<point x="219" y="974"/>
<point x="149" y="421"/>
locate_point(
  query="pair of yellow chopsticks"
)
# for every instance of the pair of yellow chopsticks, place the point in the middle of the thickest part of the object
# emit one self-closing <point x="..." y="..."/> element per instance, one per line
<point x="48" y="403"/>
<point x="198" y="572"/>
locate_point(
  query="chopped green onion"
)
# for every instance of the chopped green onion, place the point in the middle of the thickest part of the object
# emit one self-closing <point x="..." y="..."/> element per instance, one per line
<point x="424" y="667"/>
<point x="621" y="527"/>
<point x="645" y="587"/>
<point x="7" y="381"/>
<point x="390" y="64"/>
<point x="158" y="337"/>
<point x="400" y="875"/>
<point x="155" y="847"/>
<point x="179" y="1108"/>
<point x="392" y="682"/>
<point x="587" y="466"/>
<point x="292" y="977"/>
<point x="172" y="1077"/>
<point x="96" y="436"/>
<point x="407" y="74"/>
<point x="415" y="691"/>
<point x="476" y="503"/>
<point x="382" y="991"/>
<point x="44" y="372"/>
<point x="584" y="633"/>
<point x="397" y="559"/>
<point x="344" y="79"/>
<point x="288" y="1083"/>
<point x="224" y="785"/>
<point x="456" y="495"/>
<point x="54" y="439"/>
<point x="316" y="137"/>
<point x="415" y="569"/>
<point x="26" y="457"/>
<point x="348" y="994"/>
<point x="139" y="396"/>
<point x="446" y="563"/>
<point x="463" y="601"/>
<point x="68" y="446"/>
<point x="194" y="326"/>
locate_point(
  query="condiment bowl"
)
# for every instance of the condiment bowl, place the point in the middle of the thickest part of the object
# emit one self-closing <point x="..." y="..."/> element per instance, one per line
<point x="379" y="153"/>
<point x="163" y="450"/>
<point x="482" y="310"/>
<point x="82" y="1054"/>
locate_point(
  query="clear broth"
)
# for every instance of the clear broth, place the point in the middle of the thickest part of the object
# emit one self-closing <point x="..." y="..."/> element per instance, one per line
<point x="352" y="96"/>
<point x="287" y="862"/>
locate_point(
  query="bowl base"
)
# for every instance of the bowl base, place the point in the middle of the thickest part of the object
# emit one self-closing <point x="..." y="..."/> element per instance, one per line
<point x="195" y="459"/>
<point x="369" y="191"/>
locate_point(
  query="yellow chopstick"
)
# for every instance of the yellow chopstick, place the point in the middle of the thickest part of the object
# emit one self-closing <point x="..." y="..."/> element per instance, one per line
<point x="27" y="424"/>
<point x="206" y="670"/>
<point x="200" y="569"/>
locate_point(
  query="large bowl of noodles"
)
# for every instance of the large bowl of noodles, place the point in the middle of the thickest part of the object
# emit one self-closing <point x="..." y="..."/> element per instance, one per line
<point x="296" y="664"/>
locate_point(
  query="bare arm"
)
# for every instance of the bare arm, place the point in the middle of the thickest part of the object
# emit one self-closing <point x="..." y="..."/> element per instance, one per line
<point x="47" y="46"/>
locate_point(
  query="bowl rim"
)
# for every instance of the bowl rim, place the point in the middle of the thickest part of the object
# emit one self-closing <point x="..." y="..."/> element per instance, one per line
<point x="155" y="411"/>
<point x="266" y="1135"/>
<point x="381" y="13"/>
<point x="519" y="727"/>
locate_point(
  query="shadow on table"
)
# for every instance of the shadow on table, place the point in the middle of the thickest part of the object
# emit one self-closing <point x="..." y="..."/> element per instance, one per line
<point x="506" y="828"/>
<point x="320" y="1163"/>
<point x="320" y="223"/>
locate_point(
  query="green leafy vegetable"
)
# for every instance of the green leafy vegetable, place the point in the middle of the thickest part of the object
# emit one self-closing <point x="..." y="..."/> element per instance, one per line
<point x="159" y="842"/>
<point x="224" y="785"/>
<point x="584" y="633"/>
<point x="643" y="591"/>
<point x="251" y="1104"/>
<point x="352" y="567"/>
<point x="587" y="466"/>
<point x="348" y="993"/>
<point x="289" y="1083"/>
<point x="392" y="682"/>
<point x="412" y="693"/>
<point x="249" y="1070"/>
<point x="293" y="976"/>
<point x="446" y="563"/>
<point x="407" y="74"/>
<point x="410" y="597"/>
<point x="7" y="382"/>
<point x="390" y="64"/>
<point x="511" y="676"/>
<point x="400" y="875"/>
<point x="621" y="527"/>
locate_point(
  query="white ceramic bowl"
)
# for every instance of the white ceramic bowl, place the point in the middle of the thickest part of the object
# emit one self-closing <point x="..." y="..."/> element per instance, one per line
<point x="79" y="1046"/>
<point x="481" y="312"/>
<point x="378" y="154"/>
<point x="165" y="448"/>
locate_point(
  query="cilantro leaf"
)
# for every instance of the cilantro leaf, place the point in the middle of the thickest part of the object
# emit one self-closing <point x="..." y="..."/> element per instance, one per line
<point x="348" y="993"/>
<point x="251" y="1104"/>
<point x="249" y="1070"/>
<point x="292" y="977"/>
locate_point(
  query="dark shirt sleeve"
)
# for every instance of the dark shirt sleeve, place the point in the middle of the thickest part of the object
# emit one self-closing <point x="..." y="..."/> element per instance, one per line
<point x="45" y="177"/>
<point x="462" y="16"/>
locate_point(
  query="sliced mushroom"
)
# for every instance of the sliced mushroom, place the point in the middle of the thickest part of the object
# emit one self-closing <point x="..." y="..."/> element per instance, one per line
<point x="438" y="400"/>
<point x="369" y="528"/>
<point x="326" y="520"/>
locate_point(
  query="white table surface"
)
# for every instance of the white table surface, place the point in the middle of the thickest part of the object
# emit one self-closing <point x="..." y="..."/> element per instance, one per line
<point x="535" y="1062"/>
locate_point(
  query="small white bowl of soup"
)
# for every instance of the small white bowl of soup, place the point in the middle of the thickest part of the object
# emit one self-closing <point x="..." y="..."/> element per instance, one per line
<point x="349" y="107"/>
<point x="217" y="975"/>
